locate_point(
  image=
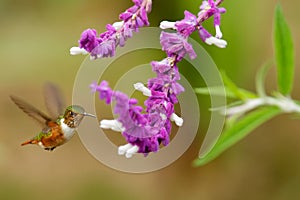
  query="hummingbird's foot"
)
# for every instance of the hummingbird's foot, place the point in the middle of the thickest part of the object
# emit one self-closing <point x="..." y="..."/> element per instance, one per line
<point x="50" y="149"/>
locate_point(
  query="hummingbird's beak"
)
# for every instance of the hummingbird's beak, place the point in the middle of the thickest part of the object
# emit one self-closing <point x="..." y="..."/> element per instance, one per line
<point x="88" y="114"/>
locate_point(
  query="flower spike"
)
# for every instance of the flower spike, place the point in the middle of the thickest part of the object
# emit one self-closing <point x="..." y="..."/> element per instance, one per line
<point x="105" y="44"/>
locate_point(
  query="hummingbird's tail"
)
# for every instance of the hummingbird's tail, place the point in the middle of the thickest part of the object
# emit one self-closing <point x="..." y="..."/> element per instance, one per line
<point x="29" y="142"/>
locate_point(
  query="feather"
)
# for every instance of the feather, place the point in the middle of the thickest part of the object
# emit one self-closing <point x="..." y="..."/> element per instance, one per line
<point x="30" y="110"/>
<point x="54" y="100"/>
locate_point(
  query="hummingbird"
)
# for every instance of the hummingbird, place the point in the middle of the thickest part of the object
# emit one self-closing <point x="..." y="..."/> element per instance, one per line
<point x="60" y="126"/>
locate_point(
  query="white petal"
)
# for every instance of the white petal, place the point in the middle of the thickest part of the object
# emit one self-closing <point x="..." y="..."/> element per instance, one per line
<point x="118" y="25"/>
<point x="93" y="57"/>
<point x="77" y="51"/>
<point x="204" y="5"/>
<point x="167" y="24"/>
<point x="178" y="120"/>
<point x="218" y="42"/>
<point x="219" y="34"/>
<point x="123" y="149"/>
<point x="114" y="125"/>
<point x="140" y="87"/>
<point x="148" y="5"/>
<point x="131" y="151"/>
<point x="163" y="116"/>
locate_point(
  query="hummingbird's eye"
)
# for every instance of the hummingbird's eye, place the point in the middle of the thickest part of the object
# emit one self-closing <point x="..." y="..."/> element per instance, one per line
<point x="72" y="113"/>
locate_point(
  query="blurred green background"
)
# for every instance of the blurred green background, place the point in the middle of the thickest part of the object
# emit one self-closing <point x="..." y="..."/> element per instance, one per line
<point x="35" y="37"/>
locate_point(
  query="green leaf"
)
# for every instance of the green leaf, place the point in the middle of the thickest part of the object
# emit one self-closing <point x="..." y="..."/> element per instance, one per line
<point x="216" y="91"/>
<point x="260" y="79"/>
<point x="232" y="87"/>
<point x="238" y="131"/>
<point x="219" y="91"/>
<point x="284" y="52"/>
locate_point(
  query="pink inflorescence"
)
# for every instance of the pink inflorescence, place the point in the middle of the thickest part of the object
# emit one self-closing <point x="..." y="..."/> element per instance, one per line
<point x="192" y="23"/>
<point x="149" y="129"/>
<point x="146" y="129"/>
<point x="104" y="44"/>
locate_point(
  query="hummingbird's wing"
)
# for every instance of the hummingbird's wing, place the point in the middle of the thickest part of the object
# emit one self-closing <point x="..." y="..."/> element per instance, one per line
<point x="30" y="110"/>
<point x="54" y="100"/>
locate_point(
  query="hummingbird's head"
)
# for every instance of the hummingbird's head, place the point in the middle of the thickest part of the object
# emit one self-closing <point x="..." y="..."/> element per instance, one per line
<point x="74" y="114"/>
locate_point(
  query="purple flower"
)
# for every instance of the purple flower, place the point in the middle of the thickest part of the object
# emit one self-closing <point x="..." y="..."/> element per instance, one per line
<point x="127" y="31"/>
<point x="104" y="91"/>
<point x="122" y="105"/>
<point x="161" y="66"/>
<point x="176" y="45"/>
<point x="210" y="8"/>
<point x="137" y="2"/>
<point x="204" y="34"/>
<point x="188" y="25"/>
<point x="136" y="20"/>
<point x="165" y="84"/>
<point x="106" y="48"/>
<point x="88" y="40"/>
<point x="110" y="31"/>
<point x="169" y="75"/>
<point x="136" y="16"/>
<point x="94" y="87"/>
<point x="157" y="85"/>
<point x="165" y="90"/>
<point x="156" y="107"/>
<point x="204" y="5"/>
<point x="209" y="39"/>
<point x="176" y="88"/>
